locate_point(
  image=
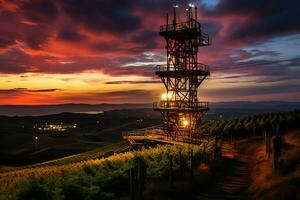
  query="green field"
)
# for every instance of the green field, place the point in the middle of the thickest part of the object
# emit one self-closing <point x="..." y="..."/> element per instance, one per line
<point x="19" y="147"/>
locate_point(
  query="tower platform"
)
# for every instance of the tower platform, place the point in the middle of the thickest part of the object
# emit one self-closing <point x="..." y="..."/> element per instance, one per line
<point x="197" y="70"/>
<point x="181" y="106"/>
<point x="156" y="134"/>
<point x="186" y="30"/>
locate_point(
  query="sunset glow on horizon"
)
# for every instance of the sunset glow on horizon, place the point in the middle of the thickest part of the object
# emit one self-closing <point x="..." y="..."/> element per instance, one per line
<point x="57" y="52"/>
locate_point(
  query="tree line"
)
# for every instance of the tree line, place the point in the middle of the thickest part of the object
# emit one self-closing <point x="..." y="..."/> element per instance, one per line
<point x="255" y="125"/>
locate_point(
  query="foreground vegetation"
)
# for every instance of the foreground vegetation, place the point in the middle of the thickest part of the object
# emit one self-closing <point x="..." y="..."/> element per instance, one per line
<point x="106" y="178"/>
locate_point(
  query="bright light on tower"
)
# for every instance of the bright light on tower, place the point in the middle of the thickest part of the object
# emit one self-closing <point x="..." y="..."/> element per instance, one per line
<point x="175" y="6"/>
<point x="185" y="122"/>
<point x="191" y="5"/>
<point x="166" y="96"/>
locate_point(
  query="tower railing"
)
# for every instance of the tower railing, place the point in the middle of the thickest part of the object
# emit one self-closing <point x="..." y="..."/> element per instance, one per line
<point x="164" y="104"/>
<point x="197" y="67"/>
<point x="157" y="133"/>
<point x="155" y="130"/>
<point x="193" y="24"/>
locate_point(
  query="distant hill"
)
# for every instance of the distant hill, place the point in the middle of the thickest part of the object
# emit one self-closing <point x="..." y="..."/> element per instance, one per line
<point x="227" y="110"/>
<point x="259" y="105"/>
<point x="244" y="107"/>
<point x="37" y="110"/>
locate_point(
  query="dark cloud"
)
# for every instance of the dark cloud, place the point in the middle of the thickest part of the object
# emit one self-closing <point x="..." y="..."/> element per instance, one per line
<point x="258" y="90"/>
<point x="13" y="61"/>
<point x="124" y="93"/>
<point x="261" y="63"/>
<point x="211" y="27"/>
<point x="8" y="35"/>
<point x="70" y="34"/>
<point x="4" y="42"/>
<point x="256" y="52"/>
<point x="126" y="71"/>
<point x="26" y="90"/>
<point x="39" y="11"/>
<point x="38" y="36"/>
<point x="45" y="90"/>
<point x="102" y="16"/>
<point x="16" y="61"/>
<point x="132" y="82"/>
<point x="147" y="40"/>
<point x="134" y="43"/>
<point x="106" y="46"/>
<point x="264" y="18"/>
<point x="124" y="96"/>
<point x="254" y="69"/>
<point x="33" y="23"/>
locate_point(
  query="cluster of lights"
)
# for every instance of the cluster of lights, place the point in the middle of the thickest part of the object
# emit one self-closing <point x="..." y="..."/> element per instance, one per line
<point x="190" y="5"/>
<point x="166" y="96"/>
<point x="55" y="127"/>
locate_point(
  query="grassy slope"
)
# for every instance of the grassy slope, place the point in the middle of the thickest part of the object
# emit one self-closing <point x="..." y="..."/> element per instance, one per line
<point x="93" y="154"/>
<point x="17" y="144"/>
<point x="19" y="148"/>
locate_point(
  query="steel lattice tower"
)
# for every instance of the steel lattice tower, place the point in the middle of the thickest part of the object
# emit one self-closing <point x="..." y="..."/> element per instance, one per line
<point x="181" y="76"/>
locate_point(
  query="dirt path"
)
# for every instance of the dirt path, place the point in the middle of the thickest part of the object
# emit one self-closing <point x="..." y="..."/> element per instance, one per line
<point x="234" y="184"/>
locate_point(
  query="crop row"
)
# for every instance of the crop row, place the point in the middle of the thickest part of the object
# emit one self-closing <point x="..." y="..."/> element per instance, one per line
<point x="92" y="173"/>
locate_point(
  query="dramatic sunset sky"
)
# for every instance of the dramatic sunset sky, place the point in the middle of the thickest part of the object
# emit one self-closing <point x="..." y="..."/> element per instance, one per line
<point x="104" y="51"/>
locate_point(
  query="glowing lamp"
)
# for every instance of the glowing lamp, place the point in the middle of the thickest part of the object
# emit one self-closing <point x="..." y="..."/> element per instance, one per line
<point x="185" y="122"/>
<point x="166" y="96"/>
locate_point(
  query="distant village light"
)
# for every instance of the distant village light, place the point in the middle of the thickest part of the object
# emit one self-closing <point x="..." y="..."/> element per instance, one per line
<point x="60" y="127"/>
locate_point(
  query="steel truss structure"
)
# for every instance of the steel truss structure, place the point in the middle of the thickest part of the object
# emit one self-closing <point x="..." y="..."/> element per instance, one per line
<point x="181" y="76"/>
